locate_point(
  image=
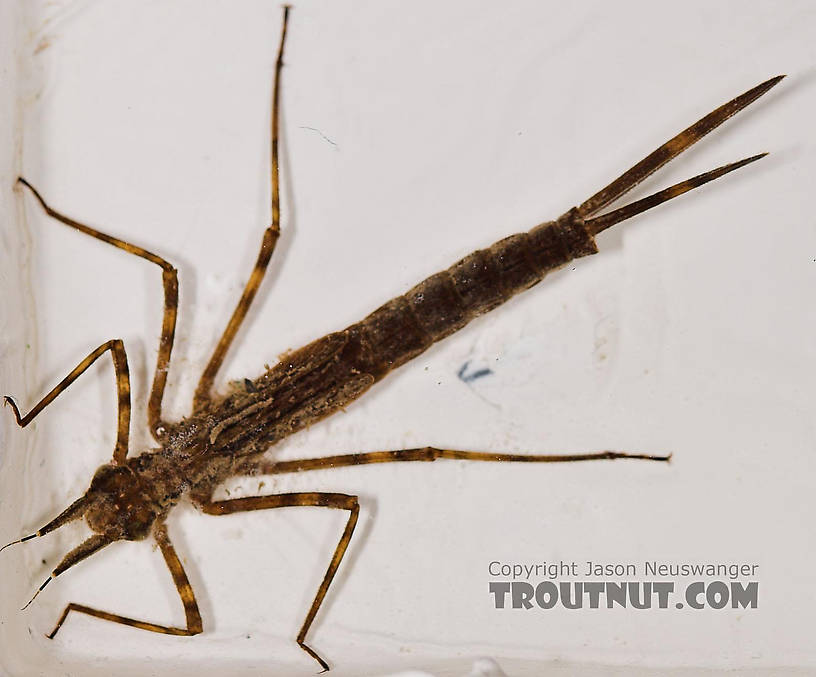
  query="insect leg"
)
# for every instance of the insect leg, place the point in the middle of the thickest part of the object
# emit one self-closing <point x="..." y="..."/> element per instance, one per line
<point x="170" y="284"/>
<point x="317" y="499"/>
<point x="185" y="591"/>
<point x="120" y="365"/>
<point x="270" y="467"/>
<point x="270" y="239"/>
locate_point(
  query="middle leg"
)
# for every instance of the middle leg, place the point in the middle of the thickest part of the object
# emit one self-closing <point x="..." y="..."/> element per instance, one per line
<point x="316" y="499"/>
<point x="170" y="284"/>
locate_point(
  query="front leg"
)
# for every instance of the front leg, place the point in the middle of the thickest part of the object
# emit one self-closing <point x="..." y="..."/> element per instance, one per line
<point x="185" y="591"/>
<point x="316" y="499"/>
<point x="120" y="365"/>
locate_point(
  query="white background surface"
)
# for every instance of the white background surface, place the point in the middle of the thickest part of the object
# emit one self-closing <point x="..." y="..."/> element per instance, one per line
<point x="412" y="134"/>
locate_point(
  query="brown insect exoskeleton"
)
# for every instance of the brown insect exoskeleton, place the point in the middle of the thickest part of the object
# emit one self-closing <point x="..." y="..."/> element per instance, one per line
<point x="224" y="436"/>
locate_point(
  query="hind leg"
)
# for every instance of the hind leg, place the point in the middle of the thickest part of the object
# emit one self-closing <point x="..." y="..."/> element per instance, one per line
<point x="428" y="454"/>
<point x="270" y="239"/>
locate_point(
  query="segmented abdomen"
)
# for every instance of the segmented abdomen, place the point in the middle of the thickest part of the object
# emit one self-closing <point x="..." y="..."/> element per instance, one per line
<point x="439" y="305"/>
<point x="334" y="370"/>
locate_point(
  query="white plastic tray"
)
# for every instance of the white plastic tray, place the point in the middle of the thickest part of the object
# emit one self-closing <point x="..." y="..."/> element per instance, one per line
<point x="412" y="134"/>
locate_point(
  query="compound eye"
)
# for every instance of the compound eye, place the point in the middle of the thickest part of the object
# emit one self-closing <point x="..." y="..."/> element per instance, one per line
<point x="111" y="479"/>
<point x="139" y="520"/>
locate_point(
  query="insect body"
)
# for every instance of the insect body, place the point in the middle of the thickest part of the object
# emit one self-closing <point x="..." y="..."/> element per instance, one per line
<point x="130" y="497"/>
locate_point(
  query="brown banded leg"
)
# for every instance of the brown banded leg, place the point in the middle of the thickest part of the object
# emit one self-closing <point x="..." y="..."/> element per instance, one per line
<point x="268" y="243"/>
<point x="427" y="454"/>
<point x="185" y="591"/>
<point x="315" y="499"/>
<point x="120" y="365"/>
<point x="170" y="284"/>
